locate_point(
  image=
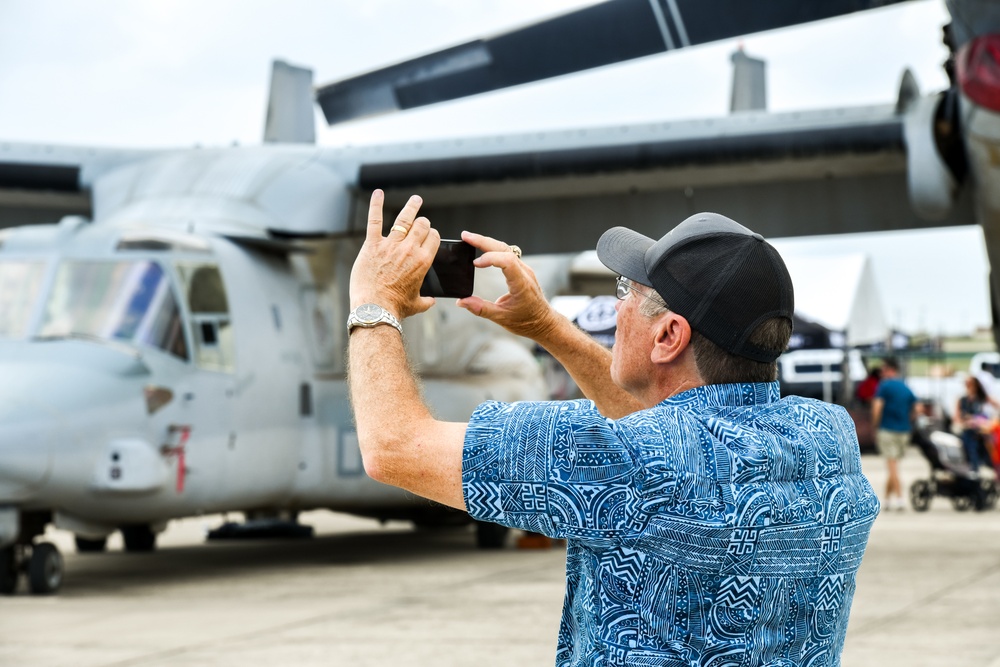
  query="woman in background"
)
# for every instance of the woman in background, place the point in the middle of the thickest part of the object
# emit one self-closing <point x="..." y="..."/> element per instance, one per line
<point x="972" y="414"/>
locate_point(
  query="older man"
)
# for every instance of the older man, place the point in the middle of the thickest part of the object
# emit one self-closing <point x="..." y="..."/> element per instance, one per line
<point x="709" y="521"/>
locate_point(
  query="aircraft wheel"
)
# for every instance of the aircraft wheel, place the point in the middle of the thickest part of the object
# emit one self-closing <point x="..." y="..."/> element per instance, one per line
<point x="442" y="522"/>
<point x="86" y="545"/>
<point x="491" y="535"/>
<point x="961" y="503"/>
<point x="8" y="570"/>
<point x="139" y="538"/>
<point x="45" y="569"/>
<point x="430" y="526"/>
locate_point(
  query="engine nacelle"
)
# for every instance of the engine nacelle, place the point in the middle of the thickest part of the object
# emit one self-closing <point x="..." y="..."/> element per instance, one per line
<point x="931" y="183"/>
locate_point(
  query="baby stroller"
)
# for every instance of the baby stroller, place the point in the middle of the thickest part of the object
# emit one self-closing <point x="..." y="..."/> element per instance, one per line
<point x="951" y="476"/>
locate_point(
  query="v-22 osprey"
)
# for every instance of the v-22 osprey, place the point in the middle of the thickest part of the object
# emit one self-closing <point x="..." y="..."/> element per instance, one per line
<point x="183" y="353"/>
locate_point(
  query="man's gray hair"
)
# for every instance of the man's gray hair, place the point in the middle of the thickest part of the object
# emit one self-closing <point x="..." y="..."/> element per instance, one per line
<point x="717" y="366"/>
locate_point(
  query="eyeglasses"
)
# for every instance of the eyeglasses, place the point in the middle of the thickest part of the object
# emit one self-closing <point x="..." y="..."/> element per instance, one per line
<point x="623" y="286"/>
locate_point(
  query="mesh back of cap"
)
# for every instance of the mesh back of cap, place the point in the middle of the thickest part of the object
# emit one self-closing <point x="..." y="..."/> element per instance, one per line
<point x="725" y="285"/>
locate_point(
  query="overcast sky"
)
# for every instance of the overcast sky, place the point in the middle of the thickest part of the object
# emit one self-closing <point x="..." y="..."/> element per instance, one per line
<point x="186" y="72"/>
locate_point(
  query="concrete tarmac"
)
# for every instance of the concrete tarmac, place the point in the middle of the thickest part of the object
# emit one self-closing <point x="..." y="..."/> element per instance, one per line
<point x="360" y="594"/>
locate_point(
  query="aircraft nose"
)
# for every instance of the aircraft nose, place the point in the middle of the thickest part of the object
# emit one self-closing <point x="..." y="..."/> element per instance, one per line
<point x="56" y="399"/>
<point x="27" y="430"/>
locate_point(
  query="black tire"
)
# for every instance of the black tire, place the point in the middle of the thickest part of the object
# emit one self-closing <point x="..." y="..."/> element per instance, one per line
<point x="45" y="569"/>
<point x="439" y="522"/>
<point x="8" y="570"/>
<point x="139" y="538"/>
<point x="431" y="526"/>
<point x="86" y="545"/>
<point x="989" y="491"/>
<point x="491" y="535"/>
<point x="921" y="494"/>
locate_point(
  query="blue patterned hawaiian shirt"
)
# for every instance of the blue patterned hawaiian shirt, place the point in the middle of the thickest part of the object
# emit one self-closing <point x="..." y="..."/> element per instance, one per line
<point x="723" y="526"/>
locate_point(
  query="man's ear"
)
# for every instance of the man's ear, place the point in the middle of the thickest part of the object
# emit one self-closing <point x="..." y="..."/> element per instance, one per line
<point x="672" y="335"/>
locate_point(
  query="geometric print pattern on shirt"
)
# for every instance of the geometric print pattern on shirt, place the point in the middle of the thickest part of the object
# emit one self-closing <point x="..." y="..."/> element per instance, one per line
<point x="724" y="526"/>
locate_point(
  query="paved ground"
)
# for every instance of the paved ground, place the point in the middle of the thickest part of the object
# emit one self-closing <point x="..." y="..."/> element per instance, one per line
<point x="928" y="594"/>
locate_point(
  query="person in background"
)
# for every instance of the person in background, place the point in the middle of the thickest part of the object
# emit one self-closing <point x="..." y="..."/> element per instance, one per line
<point x="866" y="389"/>
<point x="892" y="416"/>
<point x="971" y="415"/>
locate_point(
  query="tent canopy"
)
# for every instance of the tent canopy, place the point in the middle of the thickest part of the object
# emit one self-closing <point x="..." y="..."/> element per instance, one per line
<point x="839" y="292"/>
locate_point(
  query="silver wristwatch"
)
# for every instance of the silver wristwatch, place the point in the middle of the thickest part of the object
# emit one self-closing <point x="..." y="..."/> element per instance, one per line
<point x="370" y="315"/>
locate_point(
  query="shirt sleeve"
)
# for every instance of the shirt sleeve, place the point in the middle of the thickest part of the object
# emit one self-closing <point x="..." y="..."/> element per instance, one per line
<point x="556" y="468"/>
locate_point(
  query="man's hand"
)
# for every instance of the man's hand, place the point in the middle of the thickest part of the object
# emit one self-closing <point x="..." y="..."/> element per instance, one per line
<point x="389" y="270"/>
<point x="523" y="310"/>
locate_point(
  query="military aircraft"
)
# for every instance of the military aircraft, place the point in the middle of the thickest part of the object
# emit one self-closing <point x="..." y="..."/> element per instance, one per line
<point x="172" y="320"/>
<point x="180" y="350"/>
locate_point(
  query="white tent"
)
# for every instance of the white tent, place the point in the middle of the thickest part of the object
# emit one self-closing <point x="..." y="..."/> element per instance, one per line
<point x="837" y="291"/>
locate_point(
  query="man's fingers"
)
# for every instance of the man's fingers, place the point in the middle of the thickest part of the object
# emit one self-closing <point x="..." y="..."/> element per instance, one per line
<point x="404" y="221"/>
<point x="374" y="231"/>
<point x="419" y="231"/>
<point x="424" y="303"/>
<point x="434" y="236"/>
<point x="477" y="306"/>
<point x="409" y="212"/>
<point x="485" y="243"/>
<point x="515" y="272"/>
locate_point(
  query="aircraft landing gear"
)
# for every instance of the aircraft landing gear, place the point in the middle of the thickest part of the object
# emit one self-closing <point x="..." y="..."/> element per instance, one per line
<point x="491" y="535"/>
<point x="263" y="525"/>
<point x="43" y="568"/>
<point x="8" y="570"/>
<point x="87" y="545"/>
<point x="139" y="537"/>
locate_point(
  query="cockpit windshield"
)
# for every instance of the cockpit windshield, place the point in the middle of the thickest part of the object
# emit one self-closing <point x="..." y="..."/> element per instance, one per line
<point x="20" y="282"/>
<point x="127" y="301"/>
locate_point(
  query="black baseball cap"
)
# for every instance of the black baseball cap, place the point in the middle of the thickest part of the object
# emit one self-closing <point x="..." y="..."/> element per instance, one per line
<point x="722" y="277"/>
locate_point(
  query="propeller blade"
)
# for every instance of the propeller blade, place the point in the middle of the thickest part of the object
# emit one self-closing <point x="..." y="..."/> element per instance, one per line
<point x="601" y="34"/>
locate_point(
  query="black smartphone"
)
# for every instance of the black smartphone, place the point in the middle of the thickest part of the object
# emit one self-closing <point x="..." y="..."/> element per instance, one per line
<point x="452" y="274"/>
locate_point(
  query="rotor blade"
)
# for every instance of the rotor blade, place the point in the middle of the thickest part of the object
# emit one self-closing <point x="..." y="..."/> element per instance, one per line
<point x="598" y="35"/>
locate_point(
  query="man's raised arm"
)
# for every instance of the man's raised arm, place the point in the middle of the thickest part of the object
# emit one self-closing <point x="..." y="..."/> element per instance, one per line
<point x="401" y="442"/>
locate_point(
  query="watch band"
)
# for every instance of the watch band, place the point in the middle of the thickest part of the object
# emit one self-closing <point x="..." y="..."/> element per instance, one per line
<point x="369" y="315"/>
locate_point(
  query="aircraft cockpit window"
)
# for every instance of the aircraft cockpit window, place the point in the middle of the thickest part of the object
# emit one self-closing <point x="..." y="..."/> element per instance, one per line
<point x="212" y="327"/>
<point x="132" y="302"/>
<point x="20" y="283"/>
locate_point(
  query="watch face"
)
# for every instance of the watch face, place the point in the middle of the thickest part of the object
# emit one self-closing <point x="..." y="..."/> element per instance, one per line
<point x="368" y="312"/>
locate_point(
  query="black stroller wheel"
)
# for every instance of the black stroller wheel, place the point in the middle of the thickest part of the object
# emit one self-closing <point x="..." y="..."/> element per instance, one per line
<point x="987" y="494"/>
<point x="961" y="503"/>
<point x="921" y="493"/>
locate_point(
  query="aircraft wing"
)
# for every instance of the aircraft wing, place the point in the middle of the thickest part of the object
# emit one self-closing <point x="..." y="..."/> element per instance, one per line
<point x="783" y="174"/>
<point x="42" y="183"/>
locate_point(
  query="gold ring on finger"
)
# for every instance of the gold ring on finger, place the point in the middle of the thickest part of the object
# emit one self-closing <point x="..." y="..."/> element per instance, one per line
<point x="514" y="249"/>
<point x="400" y="228"/>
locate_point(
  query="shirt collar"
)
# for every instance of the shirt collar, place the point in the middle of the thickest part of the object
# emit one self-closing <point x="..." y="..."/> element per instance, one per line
<point x="716" y="395"/>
